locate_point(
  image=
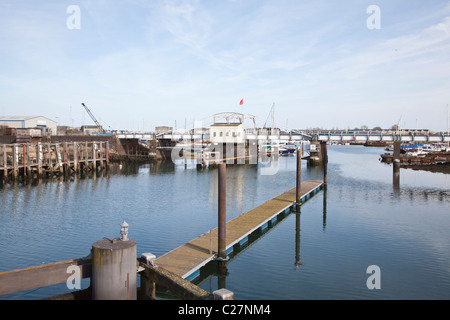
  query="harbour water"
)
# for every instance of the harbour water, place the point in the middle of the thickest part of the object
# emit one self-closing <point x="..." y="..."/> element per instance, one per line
<point x="360" y="220"/>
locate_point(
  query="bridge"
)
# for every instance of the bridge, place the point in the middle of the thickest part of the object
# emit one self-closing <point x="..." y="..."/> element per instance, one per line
<point x="295" y="136"/>
<point x="231" y="120"/>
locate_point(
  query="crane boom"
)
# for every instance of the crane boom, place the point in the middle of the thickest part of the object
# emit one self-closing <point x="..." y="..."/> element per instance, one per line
<point x="92" y="116"/>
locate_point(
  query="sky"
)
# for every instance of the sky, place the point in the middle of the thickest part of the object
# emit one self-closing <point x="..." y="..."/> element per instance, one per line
<point x="139" y="64"/>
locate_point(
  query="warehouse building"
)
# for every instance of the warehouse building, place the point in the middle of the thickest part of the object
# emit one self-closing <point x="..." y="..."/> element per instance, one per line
<point x="47" y="125"/>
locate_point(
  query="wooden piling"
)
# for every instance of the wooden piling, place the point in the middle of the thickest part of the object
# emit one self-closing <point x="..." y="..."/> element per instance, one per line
<point x="27" y="160"/>
<point x="100" y="151"/>
<point x="50" y="160"/>
<point x="59" y="158"/>
<point x="66" y="167"/>
<point x="24" y="161"/>
<point x="75" y="157"/>
<point x="5" y="163"/>
<point x="107" y="153"/>
<point x="15" y="153"/>
<point x="29" y="170"/>
<point x="39" y="156"/>
<point x="94" y="156"/>
<point x="86" y="156"/>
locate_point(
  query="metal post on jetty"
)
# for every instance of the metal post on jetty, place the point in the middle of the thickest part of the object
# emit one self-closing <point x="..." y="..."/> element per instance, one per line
<point x="221" y="252"/>
<point x="222" y="231"/>
<point x="396" y="165"/>
<point x="324" y="153"/>
<point x="298" y="185"/>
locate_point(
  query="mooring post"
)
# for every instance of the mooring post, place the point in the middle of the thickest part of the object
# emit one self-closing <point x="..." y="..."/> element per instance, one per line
<point x="222" y="211"/>
<point x="24" y="161"/>
<point x="114" y="268"/>
<point x="299" y="178"/>
<point x="15" y="161"/>
<point x="75" y="157"/>
<point x="58" y="158"/>
<point x="324" y="153"/>
<point x="50" y="161"/>
<point x="5" y="163"/>
<point x="39" y="155"/>
<point x="222" y="270"/>
<point x="396" y="164"/>
<point x="100" y="156"/>
<point x="86" y="156"/>
<point x="29" y="169"/>
<point x="94" y="156"/>
<point x="66" y="162"/>
<point x="396" y="153"/>
<point x="107" y="153"/>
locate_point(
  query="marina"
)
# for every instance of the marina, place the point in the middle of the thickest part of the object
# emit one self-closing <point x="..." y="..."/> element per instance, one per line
<point x="335" y="227"/>
<point x="224" y="150"/>
<point x="419" y="154"/>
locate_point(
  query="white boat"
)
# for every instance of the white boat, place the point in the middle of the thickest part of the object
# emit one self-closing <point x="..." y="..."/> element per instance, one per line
<point x="287" y="150"/>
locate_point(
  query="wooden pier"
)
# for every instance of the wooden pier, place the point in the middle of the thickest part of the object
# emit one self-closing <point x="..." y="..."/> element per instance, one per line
<point x="34" y="160"/>
<point x="186" y="260"/>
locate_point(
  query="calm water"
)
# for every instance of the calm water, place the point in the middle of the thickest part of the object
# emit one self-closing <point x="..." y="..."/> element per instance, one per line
<point x="323" y="253"/>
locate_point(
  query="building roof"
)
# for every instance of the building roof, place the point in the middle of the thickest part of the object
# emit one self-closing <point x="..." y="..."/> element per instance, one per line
<point x="233" y="124"/>
<point x="21" y="118"/>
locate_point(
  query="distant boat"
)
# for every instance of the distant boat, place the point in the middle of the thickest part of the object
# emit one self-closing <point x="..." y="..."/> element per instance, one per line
<point x="287" y="150"/>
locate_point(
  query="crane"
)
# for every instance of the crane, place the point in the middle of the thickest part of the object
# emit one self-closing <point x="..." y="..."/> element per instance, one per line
<point x="93" y="118"/>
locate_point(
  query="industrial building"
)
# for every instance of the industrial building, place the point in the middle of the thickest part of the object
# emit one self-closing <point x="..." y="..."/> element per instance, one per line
<point x="47" y="125"/>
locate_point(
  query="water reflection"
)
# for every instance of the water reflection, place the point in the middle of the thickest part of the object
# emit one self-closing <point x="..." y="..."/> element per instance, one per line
<point x="396" y="179"/>
<point x="324" y="216"/>
<point x="297" y="239"/>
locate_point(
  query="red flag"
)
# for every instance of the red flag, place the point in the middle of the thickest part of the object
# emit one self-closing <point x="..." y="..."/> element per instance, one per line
<point x="242" y="102"/>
